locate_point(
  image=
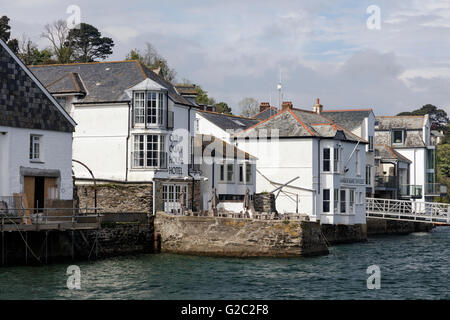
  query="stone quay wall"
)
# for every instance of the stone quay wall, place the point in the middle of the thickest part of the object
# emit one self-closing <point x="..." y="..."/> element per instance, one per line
<point x="381" y="226"/>
<point x="120" y="234"/>
<point x="217" y="236"/>
<point x="340" y="233"/>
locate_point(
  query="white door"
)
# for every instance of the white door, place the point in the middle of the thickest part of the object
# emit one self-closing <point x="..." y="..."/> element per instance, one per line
<point x="171" y="196"/>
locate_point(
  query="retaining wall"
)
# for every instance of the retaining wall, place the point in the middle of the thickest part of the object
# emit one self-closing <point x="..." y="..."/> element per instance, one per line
<point x="217" y="236"/>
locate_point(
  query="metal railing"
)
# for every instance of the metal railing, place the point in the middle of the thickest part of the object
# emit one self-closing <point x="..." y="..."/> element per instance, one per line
<point x="435" y="189"/>
<point x="386" y="182"/>
<point x="406" y="210"/>
<point x="410" y="190"/>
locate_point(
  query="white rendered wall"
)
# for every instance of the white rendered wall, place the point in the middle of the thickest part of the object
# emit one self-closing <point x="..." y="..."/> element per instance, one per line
<point x="417" y="169"/>
<point x="56" y="154"/>
<point x="204" y="126"/>
<point x="100" y="140"/>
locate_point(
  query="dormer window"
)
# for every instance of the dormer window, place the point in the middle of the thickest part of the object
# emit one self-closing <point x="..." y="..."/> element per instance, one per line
<point x="149" y="108"/>
<point x="398" y="136"/>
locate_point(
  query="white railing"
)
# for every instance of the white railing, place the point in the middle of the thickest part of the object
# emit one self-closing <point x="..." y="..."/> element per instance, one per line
<point x="432" y="212"/>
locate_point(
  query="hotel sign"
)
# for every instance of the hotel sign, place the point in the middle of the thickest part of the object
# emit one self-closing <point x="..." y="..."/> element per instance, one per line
<point x="353" y="181"/>
<point x="175" y="154"/>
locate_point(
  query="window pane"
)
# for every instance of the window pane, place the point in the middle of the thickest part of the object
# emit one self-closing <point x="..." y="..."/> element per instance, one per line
<point x="343" y="201"/>
<point x="398" y="136"/>
<point x="241" y="173"/>
<point x="230" y="172"/>
<point x="248" y="173"/>
<point x="326" y="200"/>
<point x="222" y="174"/>
<point x="139" y="102"/>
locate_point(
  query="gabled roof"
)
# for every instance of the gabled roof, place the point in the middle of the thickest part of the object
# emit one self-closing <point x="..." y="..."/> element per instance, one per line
<point x="105" y="81"/>
<point x="385" y="152"/>
<point x="301" y="123"/>
<point x="228" y="122"/>
<point x="348" y="118"/>
<point x="400" y="122"/>
<point x="267" y="113"/>
<point x="220" y="147"/>
<point x="24" y="102"/>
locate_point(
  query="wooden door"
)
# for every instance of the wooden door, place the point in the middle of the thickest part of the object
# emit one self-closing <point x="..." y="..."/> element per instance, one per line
<point x="28" y="190"/>
<point x="50" y="189"/>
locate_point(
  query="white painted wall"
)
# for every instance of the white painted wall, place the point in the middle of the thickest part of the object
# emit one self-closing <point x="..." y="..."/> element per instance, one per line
<point x="204" y="126"/>
<point x="56" y="154"/>
<point x="417" y="169"/>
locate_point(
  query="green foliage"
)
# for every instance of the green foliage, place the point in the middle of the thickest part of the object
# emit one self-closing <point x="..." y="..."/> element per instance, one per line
<point x="202" y="97"/>
<point x="88" y="44"/>
<point x="5" y="34"/>
<point x="154" y="61"/>
<point x="443" y="168"/>
<point x="31" y="55"/>
<point x="438" y="117"/>
<point x="223" y="107"/>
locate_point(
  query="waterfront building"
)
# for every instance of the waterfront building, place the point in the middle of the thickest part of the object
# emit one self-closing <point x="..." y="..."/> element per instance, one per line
<point x="222" y="126"/>
<point x="35" y="139"/>
<point x="410" y="137"/>
<point x="227" y="169"/>
<point x="314" y="165"/>
<point x="134" y="128"/>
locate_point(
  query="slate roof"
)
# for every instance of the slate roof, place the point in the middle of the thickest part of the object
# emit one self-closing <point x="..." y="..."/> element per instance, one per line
<point x="24" y="102"/>
<point x="102" y="81"/>
<point x="225" y="121"/>
<point x="301" y="123"/>
<point x="69" y="83"/>
<point x="400" y="122"/>
<point x="220" y="147"/>
<point x="349" y="118"/>
<point x="385" y="152"/>
<point x="263" y="115"/>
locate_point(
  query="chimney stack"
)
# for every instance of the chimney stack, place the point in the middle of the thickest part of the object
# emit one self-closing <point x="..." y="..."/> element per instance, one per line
<point x="264" y="106"/>
<point x="317" y="108"/>
<point x="286" y="105"/>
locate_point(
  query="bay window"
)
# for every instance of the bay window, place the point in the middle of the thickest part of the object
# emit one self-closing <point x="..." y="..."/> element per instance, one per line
<point x="149" y="108"/>
<point x="149" y="151"/>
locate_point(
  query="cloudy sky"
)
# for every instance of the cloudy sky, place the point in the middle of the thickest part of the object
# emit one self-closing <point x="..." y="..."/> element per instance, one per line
<point x="236" y="48"/>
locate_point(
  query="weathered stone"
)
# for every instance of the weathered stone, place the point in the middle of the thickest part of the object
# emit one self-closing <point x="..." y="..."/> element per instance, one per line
<point x="217" y="236"/>
<point x="340" y="233"/>
<point x="380" y="226"/>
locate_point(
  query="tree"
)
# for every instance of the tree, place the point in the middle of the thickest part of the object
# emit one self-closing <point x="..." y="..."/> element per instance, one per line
<point x="223" y="107"/>
<point x="57" y="33"/>
<point x="5" y="34"/>
<point x="31" y="55"/>
<point x="202" y="97"/>
<point x="88" y="44"/>
<point x="438" y="117"/>
<point x="249" y="107"/>
<point x="443" y="168"/>
<point x="154" y="61"/>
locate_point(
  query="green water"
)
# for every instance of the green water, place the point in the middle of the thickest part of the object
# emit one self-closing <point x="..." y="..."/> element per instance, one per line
<point x="415" y="266"/>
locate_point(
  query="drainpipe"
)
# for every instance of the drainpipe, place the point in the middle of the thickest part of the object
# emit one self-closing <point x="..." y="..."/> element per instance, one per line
<point x="318" y="184"/>
<point x="128" y="140"/>
<point x="192" y="160"/>
<point x="153" y="200"/>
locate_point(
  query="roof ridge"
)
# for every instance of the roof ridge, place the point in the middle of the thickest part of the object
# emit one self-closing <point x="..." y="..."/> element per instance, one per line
<point x="301" y="122"/>
<point x="77" y="63"/>
<point x="261" y="122"/>
<point x="346" y="110"/>
<point x="405" y="116"/>
<point x="227" y="115"/>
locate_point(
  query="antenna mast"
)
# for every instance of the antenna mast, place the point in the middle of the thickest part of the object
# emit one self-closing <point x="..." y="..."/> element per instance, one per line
<point x="279" y="87"/>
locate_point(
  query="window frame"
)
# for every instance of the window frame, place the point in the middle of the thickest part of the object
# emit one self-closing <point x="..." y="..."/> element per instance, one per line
<point x="151" y="111"/>
<point x="33" y="145"/>
<point x="326" y="200"/>
<point x="343" y="201"/>
<point x="147" y="154"/>
<point x="326" y="161"/>
<point x="393" y="136"/>
<point x="336" y="159"/>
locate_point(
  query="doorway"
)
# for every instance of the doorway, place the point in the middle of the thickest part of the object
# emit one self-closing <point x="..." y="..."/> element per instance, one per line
<point x="37" y="189"/>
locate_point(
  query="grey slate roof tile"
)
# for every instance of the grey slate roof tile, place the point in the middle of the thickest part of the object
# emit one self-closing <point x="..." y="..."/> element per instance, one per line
<point x="228" y="122"/>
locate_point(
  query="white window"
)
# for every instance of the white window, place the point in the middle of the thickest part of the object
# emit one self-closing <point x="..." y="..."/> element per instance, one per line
<point x="35" y="147"/>
<point x="368" y="175"/>
<point x="336" y="160"/>
<point x="245" y="173"/>
<point x="226" y="173"/>
<point x="352" y="200"/>
<point x="171" y="197"/>
<point x="343" y="201"/>
<point x="370" y="143"/>
<point x="326" y="200"/>
<point x="139" y="108"/>
<point x="149" y="107"/>
<point x="248" y="173"/>
<point x="398" y="136"/>
<point x="358" y="163"/>
<point x="326" y="160"/>
<point x="149" y="151"/>
<point x="336" y="200"/>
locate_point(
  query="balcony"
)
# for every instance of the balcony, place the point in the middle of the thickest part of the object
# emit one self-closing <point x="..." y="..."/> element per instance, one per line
<point x="386" y="182"/>
<point x="410" y="191"/>
<point x="435" y="189"/>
